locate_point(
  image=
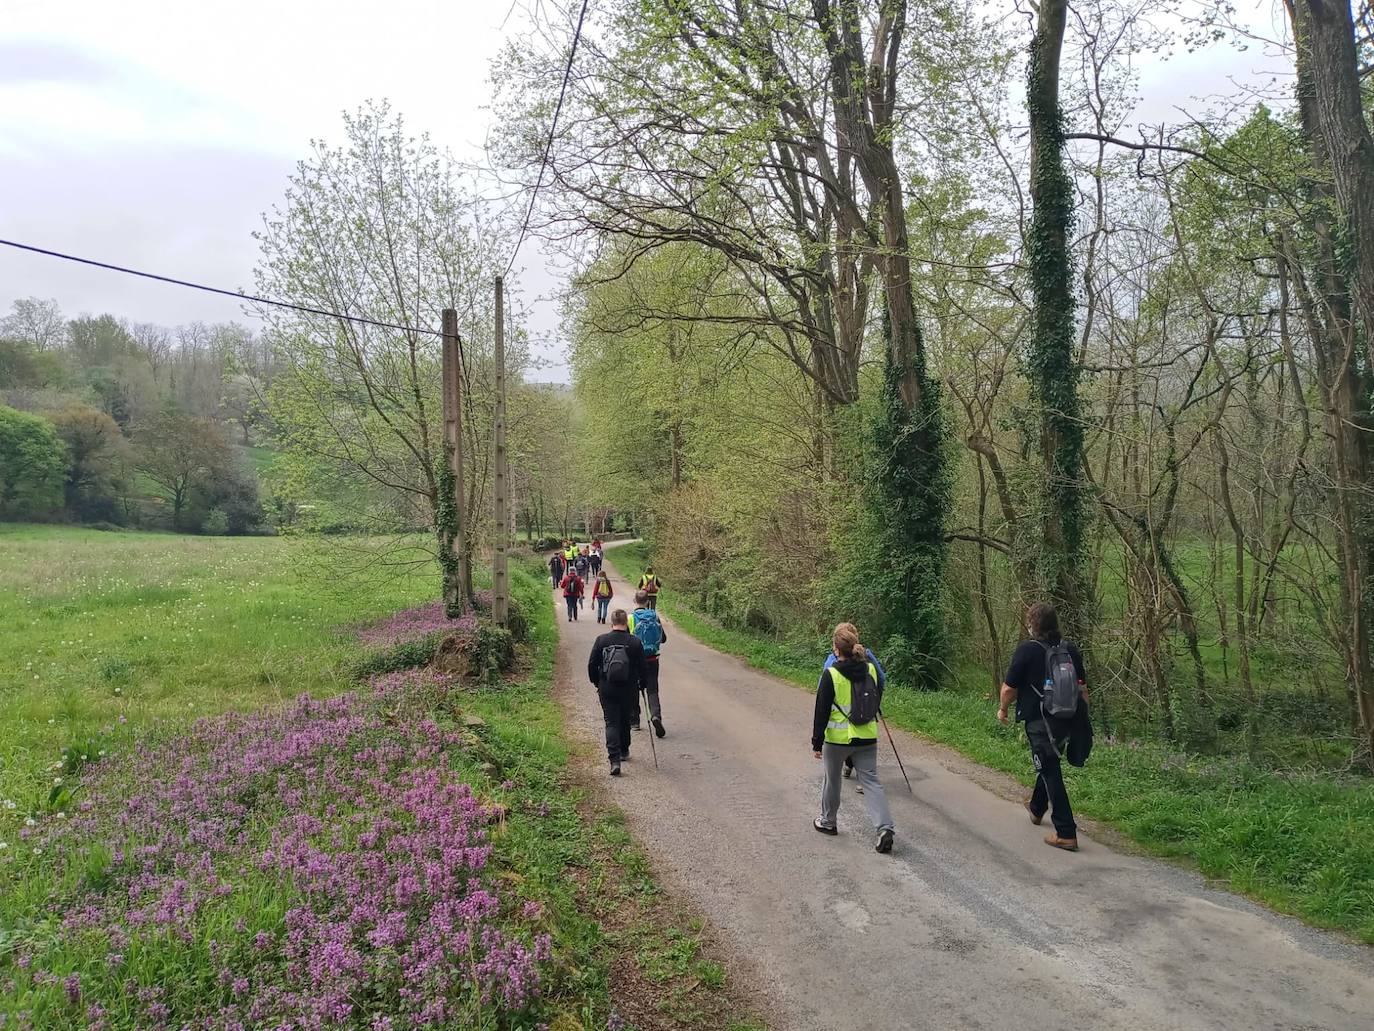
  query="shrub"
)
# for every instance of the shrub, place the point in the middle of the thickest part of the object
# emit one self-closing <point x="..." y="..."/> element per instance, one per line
<point x="407" y="654"/>
<point x="493" y="651"/>
<point x="33" y="466"/>
<point x="216" y="522"/>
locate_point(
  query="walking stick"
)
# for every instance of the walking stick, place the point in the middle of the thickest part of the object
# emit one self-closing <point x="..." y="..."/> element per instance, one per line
<point x="894" y="752"/>
<point x="652" y="747"/>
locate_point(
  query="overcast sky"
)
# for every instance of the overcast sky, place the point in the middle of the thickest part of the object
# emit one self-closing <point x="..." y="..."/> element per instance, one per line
<point x="154" y="134"/>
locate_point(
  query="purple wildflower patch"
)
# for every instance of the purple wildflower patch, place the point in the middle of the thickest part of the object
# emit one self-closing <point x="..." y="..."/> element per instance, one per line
<point x="325" y="864"/>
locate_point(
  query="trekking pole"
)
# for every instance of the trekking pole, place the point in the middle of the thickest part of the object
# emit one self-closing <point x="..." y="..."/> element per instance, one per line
<point x="652" y="747"/>
<point x="894" y="752"/>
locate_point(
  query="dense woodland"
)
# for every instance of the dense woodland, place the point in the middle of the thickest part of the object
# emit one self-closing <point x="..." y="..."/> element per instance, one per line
<point x="915" y="322"/>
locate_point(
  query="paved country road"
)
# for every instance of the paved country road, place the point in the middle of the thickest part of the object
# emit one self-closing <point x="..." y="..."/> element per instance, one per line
<point x="972" y="922"/>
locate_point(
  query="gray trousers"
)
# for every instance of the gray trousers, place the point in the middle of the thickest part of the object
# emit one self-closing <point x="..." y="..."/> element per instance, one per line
<point x="866" y="770"/>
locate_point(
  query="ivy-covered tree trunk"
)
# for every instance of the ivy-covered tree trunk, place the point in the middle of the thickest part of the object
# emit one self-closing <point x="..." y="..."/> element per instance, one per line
<point x="1052" y="365"/>
<point x="910" y="498"/>
<point x="1339" y="145"/>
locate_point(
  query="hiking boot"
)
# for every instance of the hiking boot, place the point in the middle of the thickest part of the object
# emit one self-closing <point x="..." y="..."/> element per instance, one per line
<point x="823" y="828"/>
<point x="615" y="769"/>
<point x="848" y="771"/>
<point x="657" y="721"/>
<point x="635" y="725"/>
<point x="1034" y="818"/>
<point x="858" y="789"/>
<point x="884" y="842"/>
<point x="1067" y="844"/>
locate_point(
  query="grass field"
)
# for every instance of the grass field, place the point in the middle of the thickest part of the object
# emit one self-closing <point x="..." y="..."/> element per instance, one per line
<point x="101" y="634"/>
<point x="160" y="870"/>
<point x="1303" y="844"/>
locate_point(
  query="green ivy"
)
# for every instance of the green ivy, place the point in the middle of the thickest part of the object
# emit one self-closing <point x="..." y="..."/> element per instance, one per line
<point x="446" y="529"/>
<point x="910" y="496"/>
<point x="1055" y="429"/>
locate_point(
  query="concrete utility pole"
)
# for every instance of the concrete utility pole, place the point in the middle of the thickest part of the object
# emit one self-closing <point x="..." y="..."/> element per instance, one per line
<point x="499" y="586"/>
<point x="453" y="438"/>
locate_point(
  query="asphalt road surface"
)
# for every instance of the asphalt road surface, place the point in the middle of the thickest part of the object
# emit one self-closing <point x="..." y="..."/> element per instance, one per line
<point x="972" y="922"/>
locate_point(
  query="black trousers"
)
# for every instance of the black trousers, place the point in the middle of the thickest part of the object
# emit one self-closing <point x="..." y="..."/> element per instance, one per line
<point x="650" y="689"/>
<point x="1049" y="792"/>
<point x="615" y="709"/>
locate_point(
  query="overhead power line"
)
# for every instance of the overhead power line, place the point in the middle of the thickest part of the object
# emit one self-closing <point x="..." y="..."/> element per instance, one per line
<point x="217" y="290"/>
<point x="548" y="145"/>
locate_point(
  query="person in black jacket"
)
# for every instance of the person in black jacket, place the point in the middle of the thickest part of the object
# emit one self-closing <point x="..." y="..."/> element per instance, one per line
<point x="616" y="668"/>
<point x="1024" y="684"/>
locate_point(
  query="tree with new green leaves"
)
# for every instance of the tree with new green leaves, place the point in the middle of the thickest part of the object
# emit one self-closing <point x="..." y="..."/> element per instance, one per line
<point x="181" y="454"/>
<point x="98" y="459"/>
<point x="383" y="228"/>
<point x="33" y="466"/>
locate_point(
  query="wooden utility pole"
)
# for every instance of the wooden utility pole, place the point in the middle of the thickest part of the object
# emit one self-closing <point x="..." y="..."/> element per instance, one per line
<point x="499" y="586"/>
<point x="453" y="440"/>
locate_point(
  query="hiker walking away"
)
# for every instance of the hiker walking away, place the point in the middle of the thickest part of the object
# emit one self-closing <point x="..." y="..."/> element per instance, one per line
<point x="583" y="563"/>
<point x="596" y="560"/>
<point x="602" y="593"/>
<point x="1046" y="681"/>
<point x="556" y="567"/>
<point x="616" y="669"/>
<point x="572" y="592"/>
<point x="649" y="583"/>
<point x="645" y="625"/>
<point x="845" y="725"/>
<point x="830" y="660"/>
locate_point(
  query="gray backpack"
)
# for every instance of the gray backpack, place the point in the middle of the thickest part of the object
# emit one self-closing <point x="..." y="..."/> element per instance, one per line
<point x="1059" y="697"/>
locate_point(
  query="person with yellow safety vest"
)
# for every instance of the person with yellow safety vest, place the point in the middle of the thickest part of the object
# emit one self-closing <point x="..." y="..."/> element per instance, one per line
<point x="835" y="738"/>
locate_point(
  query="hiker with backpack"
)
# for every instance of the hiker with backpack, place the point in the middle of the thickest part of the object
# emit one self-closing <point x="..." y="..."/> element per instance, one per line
<point x="602" y="593"/>
<point x="830" y="660"/>
<point x="556" y="567"/>
<point x="1046" y="680"/>
<point x="845" y="725"/>
<point x="645" y="625"/>
<point x="596" y="561"/>
<point x="616" y="669"/>
<point x="573" y="589"/>
<point x="649" y="583"/>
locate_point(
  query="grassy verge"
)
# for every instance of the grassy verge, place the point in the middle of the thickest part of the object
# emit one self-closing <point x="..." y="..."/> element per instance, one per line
<point x="1301" y="844"/>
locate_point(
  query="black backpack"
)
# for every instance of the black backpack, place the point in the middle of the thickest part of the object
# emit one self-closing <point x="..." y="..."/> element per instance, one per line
<point x="863" y="700"/>
<point x="615" y="664"/>
<point x="1059" y="698"/>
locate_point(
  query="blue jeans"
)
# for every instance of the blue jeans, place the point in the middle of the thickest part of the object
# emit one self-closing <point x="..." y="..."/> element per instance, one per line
<point x="603" y="605"/>
<point x="572" y="606"/>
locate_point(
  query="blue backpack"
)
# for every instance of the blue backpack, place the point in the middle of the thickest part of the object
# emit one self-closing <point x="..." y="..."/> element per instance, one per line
<point x="649" y="631"/>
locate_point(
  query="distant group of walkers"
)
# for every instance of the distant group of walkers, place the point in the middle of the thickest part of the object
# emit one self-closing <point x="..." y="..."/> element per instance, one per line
<point x="569" y="568"/>
<point x="1045" y="679"/>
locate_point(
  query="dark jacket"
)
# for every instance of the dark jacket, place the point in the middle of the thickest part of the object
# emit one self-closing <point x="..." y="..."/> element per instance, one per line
<point x="636" y="651"/>
<point x="853" y="669"/>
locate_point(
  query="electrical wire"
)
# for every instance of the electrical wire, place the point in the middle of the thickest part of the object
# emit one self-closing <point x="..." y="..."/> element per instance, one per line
<point x="217" y="290"/>
<point x="548" y="145"/>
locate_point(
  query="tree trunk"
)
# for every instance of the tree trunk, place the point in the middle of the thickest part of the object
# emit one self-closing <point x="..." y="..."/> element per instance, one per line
<point x="1052" y="362"/>
<point x="1338" y="140"/>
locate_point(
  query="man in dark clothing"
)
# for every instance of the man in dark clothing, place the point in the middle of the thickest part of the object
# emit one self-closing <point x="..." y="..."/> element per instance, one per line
<point x="1025" y="683"/>
<point x="616" y="668"/>
<point x="556" y="567"/>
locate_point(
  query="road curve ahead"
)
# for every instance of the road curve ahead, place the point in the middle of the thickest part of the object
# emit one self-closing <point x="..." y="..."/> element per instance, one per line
<point x="972" y="922"/>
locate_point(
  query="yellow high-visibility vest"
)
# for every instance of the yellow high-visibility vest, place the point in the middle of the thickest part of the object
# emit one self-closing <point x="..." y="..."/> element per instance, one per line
<point x="839" y="731"/>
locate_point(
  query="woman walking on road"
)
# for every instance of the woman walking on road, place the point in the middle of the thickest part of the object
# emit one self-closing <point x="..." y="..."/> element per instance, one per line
<point x="602" y="593"/>
<point x="572" y="593"/>
<point x="845" y="727"/>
